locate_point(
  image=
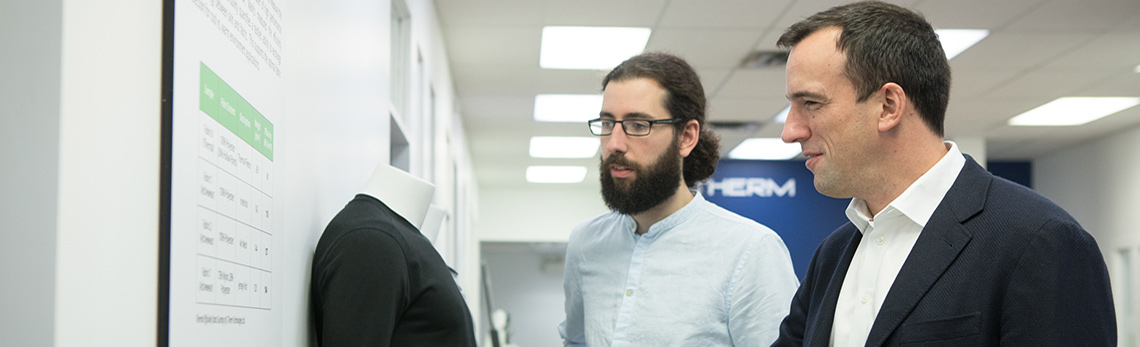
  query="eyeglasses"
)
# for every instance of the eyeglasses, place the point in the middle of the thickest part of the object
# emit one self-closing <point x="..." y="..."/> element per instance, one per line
<point x="631" y="127"/>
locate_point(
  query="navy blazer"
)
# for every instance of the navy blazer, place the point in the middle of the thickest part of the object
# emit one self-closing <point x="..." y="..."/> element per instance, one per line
<point x="996" y="265"/>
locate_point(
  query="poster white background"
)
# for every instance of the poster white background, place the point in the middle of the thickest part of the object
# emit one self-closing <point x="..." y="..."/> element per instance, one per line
<point x="225" y="227"/>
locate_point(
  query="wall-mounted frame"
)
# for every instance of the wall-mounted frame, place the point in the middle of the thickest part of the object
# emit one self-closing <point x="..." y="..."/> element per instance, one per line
<point x="221" y="112"/>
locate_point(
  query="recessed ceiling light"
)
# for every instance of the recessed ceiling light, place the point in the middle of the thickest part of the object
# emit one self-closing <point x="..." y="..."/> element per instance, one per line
<point x="955" y="41"/>
<point x="563" y="147"/>
<point x="766" y="148"/>
<point x="567" y="107"/>
<point x="590" y="48"/>
<point x="1137" y="69"/>
<point x="783" y="115"/>
<point x="555" y="174"/>
<point x="1068" y="111"/>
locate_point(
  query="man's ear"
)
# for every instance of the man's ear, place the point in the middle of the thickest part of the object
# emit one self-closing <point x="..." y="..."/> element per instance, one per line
<point x="689" y="136"/>
<point x="894" y="101"/>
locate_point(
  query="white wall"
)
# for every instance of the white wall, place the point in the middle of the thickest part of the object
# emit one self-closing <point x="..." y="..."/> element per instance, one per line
<point x="29" y="169"/>
<point x="1099" y="184"/>
<point x="80" y="146"/>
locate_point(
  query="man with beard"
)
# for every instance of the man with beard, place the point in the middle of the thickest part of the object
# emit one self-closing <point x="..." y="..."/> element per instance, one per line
<point x="665" y="267"/>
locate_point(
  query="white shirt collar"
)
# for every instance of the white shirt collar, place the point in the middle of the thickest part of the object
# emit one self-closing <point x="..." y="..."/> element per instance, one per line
<point x="921" y="198"/>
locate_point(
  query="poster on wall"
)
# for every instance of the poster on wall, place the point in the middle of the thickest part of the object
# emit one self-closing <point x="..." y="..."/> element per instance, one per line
<point x="223" y="103"/>
<point x="782" y="196"/>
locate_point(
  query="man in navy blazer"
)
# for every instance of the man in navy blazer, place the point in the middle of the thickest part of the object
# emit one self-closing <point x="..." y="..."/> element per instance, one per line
<point x="939" y="252"/>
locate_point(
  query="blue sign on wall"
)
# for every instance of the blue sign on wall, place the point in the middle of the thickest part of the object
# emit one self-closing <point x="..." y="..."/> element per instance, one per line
<point x="780" y="195"/>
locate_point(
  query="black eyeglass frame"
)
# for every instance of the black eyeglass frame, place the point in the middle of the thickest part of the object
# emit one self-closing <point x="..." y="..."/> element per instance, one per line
<point x="590" y="124"/>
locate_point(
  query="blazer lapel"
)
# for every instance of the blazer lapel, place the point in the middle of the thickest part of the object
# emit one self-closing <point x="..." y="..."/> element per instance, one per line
<point x="825" y="316"/>
<point x="937" y="247"/>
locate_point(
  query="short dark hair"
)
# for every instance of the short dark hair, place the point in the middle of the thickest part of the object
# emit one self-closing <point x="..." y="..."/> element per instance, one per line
<point x="886" y="43"/>
<point x="684" y="99"/>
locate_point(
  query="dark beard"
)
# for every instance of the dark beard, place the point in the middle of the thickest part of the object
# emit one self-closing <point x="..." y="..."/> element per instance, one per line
<point x="650" y="188"/>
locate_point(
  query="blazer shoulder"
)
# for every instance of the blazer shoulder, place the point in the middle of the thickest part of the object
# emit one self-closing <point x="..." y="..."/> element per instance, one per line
<point x="978" y="195"/>
<point x="1020" y="203"/>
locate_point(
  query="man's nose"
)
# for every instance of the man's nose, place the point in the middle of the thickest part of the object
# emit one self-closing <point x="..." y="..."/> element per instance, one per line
<point x="794" y="129"/>
<point x="616" y="140"/>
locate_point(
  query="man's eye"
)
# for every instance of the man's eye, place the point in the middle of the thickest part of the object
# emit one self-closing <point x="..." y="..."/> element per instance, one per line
<point x="638" y="126"/>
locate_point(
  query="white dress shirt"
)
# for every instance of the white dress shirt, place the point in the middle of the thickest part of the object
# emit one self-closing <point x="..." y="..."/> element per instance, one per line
<point x="886" y="243"/>
<point x="703" y="276"/>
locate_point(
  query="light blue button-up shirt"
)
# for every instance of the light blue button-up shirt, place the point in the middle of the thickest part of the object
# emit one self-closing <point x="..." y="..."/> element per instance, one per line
<point x="703" y="276"/>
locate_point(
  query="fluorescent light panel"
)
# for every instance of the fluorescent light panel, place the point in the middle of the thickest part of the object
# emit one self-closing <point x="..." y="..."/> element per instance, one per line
<point x="567" y="107"/>
<point x="555" y="174"/>
<point x="563" y="147"/>
<point x="1070" y="111"/>
<point x="955" y="41"/>
<point x="765" y="148"/>
<point x="590" y="48"/>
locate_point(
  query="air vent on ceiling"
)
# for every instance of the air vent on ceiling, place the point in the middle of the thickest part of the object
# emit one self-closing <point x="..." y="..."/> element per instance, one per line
<point x="764" y="60"/>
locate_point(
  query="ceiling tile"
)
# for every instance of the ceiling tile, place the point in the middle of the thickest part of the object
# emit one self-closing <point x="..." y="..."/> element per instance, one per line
<point x="967" y="84"/>
<point x="553" y="81"/>
<point x="1017" y="50"/>
<point x="1124" y="84"/>
<point x="501" y="146"/>
<point x="801" y="9"/>
<point x="494" y="44"/>
<point x="496" y="109"/>
<point x="1091" y="16"/>
<point x="498" y="12"/>
<point x="1045" y="84"/>
<point x="1131" y="26"/>
<point x="974" y="14"/>
<point x="706" y="48"/>
<point x="978" y="117"/>
<point x="722" y="13"/>
<point x="1107" y="53"/>
<point x="736" y="109"/>
<point x="755" y="83"/>
<point x="711" y="79"/>
<point x="640" y="13"/>
<point x="768" y="40"/>
<point x="494" y="79"/>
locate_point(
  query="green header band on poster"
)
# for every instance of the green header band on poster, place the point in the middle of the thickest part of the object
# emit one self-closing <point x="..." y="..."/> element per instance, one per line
<point x="218" y="100"/>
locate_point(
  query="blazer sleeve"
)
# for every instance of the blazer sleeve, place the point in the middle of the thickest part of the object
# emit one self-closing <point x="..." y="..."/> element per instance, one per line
<point x="1059" y="293"/>
<point x="363" y="289"/>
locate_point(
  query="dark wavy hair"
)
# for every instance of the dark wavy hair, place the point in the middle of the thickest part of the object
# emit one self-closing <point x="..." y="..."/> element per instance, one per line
<point x="886" y="43"/>
<point x="684" y="99"/>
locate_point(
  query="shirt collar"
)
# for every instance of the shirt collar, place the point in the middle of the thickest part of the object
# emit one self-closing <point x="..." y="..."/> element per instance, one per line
<point x="680" y="216"/>
<point x="921" y="198"/>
